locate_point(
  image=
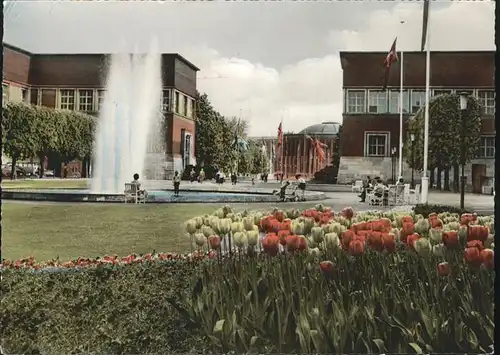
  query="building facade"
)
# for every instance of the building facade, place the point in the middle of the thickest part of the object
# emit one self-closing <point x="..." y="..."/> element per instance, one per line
<point x="77" y="82"/>
<point x="370" y="128"/>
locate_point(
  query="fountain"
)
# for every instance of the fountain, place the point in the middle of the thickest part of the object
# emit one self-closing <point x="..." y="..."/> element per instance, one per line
<point x="128" y="119"/>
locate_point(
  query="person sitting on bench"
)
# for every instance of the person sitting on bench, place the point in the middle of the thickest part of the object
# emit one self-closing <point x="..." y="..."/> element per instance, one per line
<point x="137" y="185"/>
<point x="283" y="188"/>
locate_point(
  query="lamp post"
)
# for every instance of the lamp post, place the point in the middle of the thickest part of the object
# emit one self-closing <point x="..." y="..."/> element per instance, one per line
<point x="412" y="138"/>
<point x="393" y="156"/>
<point x="464" y="98"/>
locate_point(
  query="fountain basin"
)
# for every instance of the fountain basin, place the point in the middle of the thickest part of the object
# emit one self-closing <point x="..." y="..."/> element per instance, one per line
<point x="154" y="196"/>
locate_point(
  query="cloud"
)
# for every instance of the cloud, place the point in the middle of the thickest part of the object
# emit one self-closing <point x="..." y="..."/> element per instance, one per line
<point x="254" y="60"/>
<point x="310" y="91"/>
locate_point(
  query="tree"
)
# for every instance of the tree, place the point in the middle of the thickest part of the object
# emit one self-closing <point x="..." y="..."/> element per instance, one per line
<point x="445" y="133"/>
<point x="49" y="133"/>
<point x="209" y="138"/>
<point x="20" y="125"/>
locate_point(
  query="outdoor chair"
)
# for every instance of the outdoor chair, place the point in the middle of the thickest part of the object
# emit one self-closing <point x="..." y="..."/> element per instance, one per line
<point x="132" y="194"/>
<point x="357" y="186"/>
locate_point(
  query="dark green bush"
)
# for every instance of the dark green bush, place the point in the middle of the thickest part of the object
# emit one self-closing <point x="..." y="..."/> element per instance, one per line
<point x="108" y="310"/>
<point x="426" y="209"/>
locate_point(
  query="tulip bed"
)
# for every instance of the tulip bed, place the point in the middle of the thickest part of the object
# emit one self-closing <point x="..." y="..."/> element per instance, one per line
<point x="277" y="282"/>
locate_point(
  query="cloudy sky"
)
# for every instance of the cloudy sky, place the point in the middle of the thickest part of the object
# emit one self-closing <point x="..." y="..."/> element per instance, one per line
<point x="269" y="61"/>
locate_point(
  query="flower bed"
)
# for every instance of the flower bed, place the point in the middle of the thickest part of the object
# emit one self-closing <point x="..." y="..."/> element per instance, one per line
<point x="276" y="282"/>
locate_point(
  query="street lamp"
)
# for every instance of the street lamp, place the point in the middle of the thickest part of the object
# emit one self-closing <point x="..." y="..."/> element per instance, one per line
<point x="412" y="138"/>
<point x="464" y="98"/>
<point x="393" y="156"/>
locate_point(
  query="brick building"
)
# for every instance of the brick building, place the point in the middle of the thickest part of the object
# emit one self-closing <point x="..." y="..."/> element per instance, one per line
<point x="77" y="82"/>
<point x="370" y="127"/>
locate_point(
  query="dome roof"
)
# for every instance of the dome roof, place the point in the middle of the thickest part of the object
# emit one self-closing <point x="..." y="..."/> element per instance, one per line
<point x="325" y="129"/>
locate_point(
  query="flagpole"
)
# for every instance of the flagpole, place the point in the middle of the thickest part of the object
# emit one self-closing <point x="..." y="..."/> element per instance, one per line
<point x="401" y="104"/>
<point x="425" y="178"/>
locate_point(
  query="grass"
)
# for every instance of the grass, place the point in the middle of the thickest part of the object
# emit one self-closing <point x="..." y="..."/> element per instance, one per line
<point x="49" y="230"/>
<point x="44" y="184"/>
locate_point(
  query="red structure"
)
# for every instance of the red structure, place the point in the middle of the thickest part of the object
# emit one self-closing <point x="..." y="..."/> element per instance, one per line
<point x="308" y="151"/>
<point x="370" y="127"/>
<point x="77" y="82"/>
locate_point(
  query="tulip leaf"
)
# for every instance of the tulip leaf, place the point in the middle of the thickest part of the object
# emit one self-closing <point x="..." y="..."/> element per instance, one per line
<point x="379" y="343"/>
<point x="416" y="348"/>
<point x="219" y="326"/>
<point x="471" y="338"/>
<point x="254" y="340"/>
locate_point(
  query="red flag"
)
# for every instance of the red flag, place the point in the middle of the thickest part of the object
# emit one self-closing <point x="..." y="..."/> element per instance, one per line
<point x="392" y="57"/>
<point x="280" y="135"/>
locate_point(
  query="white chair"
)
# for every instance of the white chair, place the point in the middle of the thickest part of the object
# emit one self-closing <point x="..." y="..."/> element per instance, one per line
<point x="373" y="199"/>
<point x="406" y="194"/>
<point x="392" y="195"/>
<point x="415" y="194"/>
<point x="357" y="186"/>
<point x="131" y="193"/>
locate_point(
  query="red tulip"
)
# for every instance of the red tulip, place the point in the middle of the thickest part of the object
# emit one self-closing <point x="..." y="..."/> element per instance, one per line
<point x="291" y="242"/>
<point x="346" y="237"/>
<point x="450" y="239"/>
<point x="282" y="235"/>
<point x="347" y="212"/>
<point x="412" y="238"/>
<point x="326" y="267"/>
<point x="301" y="243"/>
<point x="389" y="242"/>
<point x="472" y="256"/>
<point x="214" y="242"/>
<point x="270" y="244"/>
<point x="356" y="247"/>
<point x="375" y="241"/>
<point x="488" y="258"/>
<point x="475" y="244"/>
<point x="443" y="269"/>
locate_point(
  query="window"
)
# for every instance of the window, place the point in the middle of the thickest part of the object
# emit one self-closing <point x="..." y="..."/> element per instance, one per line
<point x="185" y="104"/>
<point x="417" y="100"/>
<point x="67" y="99"/>
<point x="487" y="101"/>
<point x="394" y="101"/>
<point x="440" y="92"/>
<point x="85" y="100"/>
<point x="377" y="101"/>
<point x="356" y="101"/>
<point x="193" y="108"/>
<point x="187" y="150"/>
<point x="24" y="94"/>
<point x="100" y="99"/>
<point x="5" y="94"/>
<point x="177" y="102"/>
<point x="376" y="144"/>
<point x="487" y="147"/>
<point x="165" y="101"/>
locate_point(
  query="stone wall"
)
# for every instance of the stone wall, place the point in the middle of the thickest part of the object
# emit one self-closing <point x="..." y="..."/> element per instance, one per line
<point x="357" y="168"/>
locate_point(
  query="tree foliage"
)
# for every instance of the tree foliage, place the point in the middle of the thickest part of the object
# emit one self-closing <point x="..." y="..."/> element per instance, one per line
<point x="38" y="132"/>
<point x="445" y="133"/>
<point x="215" y="136"/>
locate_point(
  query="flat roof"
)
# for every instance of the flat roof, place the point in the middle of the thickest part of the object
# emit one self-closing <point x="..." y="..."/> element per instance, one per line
<point x="418" y="52"/>
<point x="20" y="50"/>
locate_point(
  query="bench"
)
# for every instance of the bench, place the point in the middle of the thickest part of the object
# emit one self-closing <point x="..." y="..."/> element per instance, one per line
<point x="132" y="194"/>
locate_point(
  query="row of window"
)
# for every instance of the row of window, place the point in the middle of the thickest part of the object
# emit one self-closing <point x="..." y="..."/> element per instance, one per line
<point x="91" y="100"/>
<point x="377" y="145"/>
<point x="377" y="101"/>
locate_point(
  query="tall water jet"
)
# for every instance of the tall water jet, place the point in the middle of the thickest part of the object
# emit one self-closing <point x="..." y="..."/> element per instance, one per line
<point x="128" y="118"/>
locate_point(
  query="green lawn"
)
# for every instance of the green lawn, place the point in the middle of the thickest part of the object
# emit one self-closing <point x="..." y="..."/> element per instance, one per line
<point x="44" y="184"/>
<point x="49" y="230"/>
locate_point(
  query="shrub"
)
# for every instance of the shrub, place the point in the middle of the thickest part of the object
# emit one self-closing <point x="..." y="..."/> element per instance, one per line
<point x="285" y="281"/>
<point x="426" y="209"/>
<point x="106" y="310"/>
